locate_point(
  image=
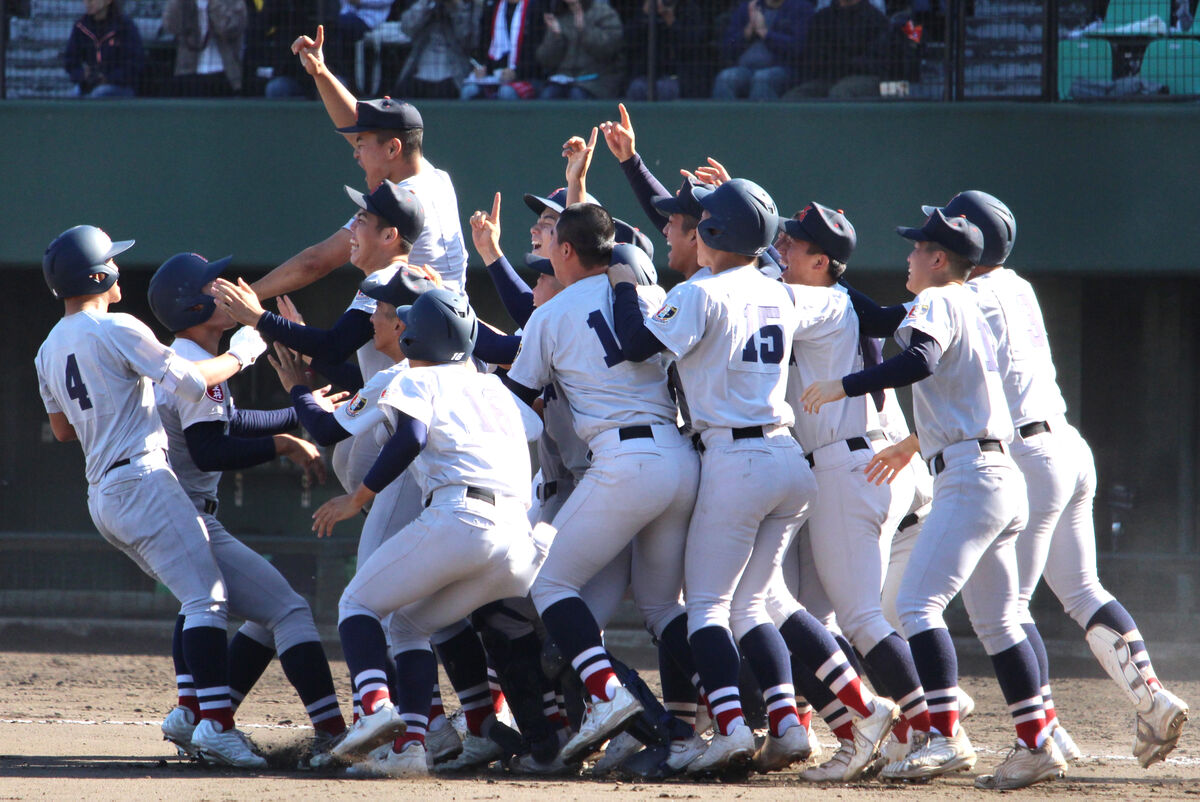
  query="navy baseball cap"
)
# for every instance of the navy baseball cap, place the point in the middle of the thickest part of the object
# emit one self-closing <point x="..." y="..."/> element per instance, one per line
<point x="395" y="204"/>
<point x="556" y="201"/>
<point x="685" y="201"/>
<point x="539" y="263"/>
<point x="383" y="114"/>
<point x="956" y="234"/>
<point x="624" y="232"/>
<point x="403" y="288"/>
<point x="826" y="228"/>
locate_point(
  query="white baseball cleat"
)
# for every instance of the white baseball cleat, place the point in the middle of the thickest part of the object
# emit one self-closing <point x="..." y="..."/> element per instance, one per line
<point x="816" y="751"/>
<point x="1066" y="744"/>
<point x="933" y="755"/>
<point x="601" y="720"/>
<point x="178" y="727"/>
<point x="966" y="705"/>
<point x="410" y="762"/>
<point x="476" y="753"/>
<point x="528" y="764"/>
<point x="780" y="752"/>
<point x="370" y="731"/>
<point x="893" y="750"/>
<point x="684" y="751"/>
<point x="620" y="747"/>
<point x="834" y="769"/>
<point x="870" y="733"/>
<point x="225" y="747"/>
<point x="1159" y="729"/>
<point x="442" y="744"/>
<point x="1023" y="767"/>
<point x="725" y="750"/>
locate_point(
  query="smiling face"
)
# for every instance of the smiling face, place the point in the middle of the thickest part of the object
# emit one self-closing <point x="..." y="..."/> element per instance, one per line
<point x="922" y="260"/>
<point x="682" y="241"/>
<point x="804" y="263"/>
<point x="539" y="233"/>
<point x="375" y="157"/>
<point x="369" y="237"/>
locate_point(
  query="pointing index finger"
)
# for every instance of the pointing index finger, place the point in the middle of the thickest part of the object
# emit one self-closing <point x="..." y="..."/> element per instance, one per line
<point x="496" y="208"/>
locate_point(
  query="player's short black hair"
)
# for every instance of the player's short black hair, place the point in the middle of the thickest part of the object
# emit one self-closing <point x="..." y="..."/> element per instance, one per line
<point x="835" y="268"/>
<point x="688" y="223"/>
<point x="590" y="231"/>
<point x="411" y="139"/>
<point x="959" y="266"/>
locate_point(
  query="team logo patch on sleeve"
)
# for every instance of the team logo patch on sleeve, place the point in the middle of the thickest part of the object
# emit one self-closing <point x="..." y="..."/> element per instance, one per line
<point x="355" y="405"/>
<point x="665" y="314"/>
<point x="216" y="393"/>
<point x="918" y="310"/>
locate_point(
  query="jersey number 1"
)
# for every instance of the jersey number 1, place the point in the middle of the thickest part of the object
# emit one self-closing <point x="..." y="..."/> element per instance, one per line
<point x="76" y="389"/>
<point x="612" y="350"/>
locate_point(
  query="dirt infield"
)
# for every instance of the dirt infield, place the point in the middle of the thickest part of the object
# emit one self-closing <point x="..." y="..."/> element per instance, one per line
<point x="84" y="726"/>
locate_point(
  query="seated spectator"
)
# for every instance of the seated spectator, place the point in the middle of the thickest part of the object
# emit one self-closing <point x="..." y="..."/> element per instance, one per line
<point x="271" y="68"/>
<point x="209" y="38"/>
<point x="506" y="65"/>
<point x="763" y="43"/>
<point x="680" y="40"/>
<point x="846" y="54"/>
<point x="582" y="52"/>
<point x="443" y="33"/>
<point x="104" y="52"/>
<point x="354" y="19"/>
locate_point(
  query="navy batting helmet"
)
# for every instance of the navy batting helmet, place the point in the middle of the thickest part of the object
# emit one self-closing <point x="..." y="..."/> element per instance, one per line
<point x="630" y="254"/>
<point x="440" y="326"/>
<point x="742" y="218"/>
<point x="75" y="256"/>
<point x="991" y="216"/>
<point x="175" y="294"/>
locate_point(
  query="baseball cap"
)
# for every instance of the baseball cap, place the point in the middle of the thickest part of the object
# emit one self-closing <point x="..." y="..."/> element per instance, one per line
<point x="404" y="286"/>
<point x="395" y="204"/>
<point x="556" y="201"/>
<point x="685" y="201"/>
<point x="826" y="228"/>
<point x="383" y="114"/>
<point x="956" y="234"/>
<point x="624" y="232"/>
<point x="539" y="263"/>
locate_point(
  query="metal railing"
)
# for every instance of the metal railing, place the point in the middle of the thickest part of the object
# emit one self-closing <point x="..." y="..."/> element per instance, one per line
<point x="952" y="50"/>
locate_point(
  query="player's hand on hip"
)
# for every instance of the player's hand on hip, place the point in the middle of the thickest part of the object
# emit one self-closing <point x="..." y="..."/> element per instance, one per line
<point x="239" y="300"/>
<point x="485" y="232"/>
<point x="886" y="465"/>
<point x="818" y="394"/>
<point x="619" y="136"/>
<point x="621" y="272"/>
<point x="336" y="509"/>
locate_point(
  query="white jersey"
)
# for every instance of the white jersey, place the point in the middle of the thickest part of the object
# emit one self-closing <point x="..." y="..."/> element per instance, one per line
<point x="96" y="368"/>
<point x="1027" y="369"/>
<point x="569" y="340"/>
<point x="177" y="414"/>
<point x="370" y="360"/>
<point x="561" y="452"/>
<point x="441" y="245"/>
<point x="963" y="399"/>
<point x="826" y="346"/>
<point x="361" y="413"/>
<point x="477" y="431"/>
<point x="732" y="336"/>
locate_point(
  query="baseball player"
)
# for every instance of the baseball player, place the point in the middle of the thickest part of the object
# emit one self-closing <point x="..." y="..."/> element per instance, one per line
<point x="465" y="436"/>
<point x="95" y="372"/>
<point x="639" y="487"/>
<point x="1060" y="475"/>
<point x="388" y="140"/>
<point x="968" y="541"/>
<point x="388" y="221"/>
<point x="851" y="522"/>
<point x="731" y="333"/>
<point x="204" y="438"/>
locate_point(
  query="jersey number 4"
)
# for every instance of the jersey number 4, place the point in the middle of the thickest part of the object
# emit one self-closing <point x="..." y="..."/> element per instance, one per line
<point x="76" y="389"/>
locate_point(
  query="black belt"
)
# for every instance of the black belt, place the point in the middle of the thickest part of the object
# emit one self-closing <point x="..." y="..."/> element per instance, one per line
<point x="121" y="463"/>
<point x="634" y="432"/>
<point x="907" y="521"/>
<point x="210" y="506"/>
<point x="740" y="433"/>
<point x="1030" y="429"/>
<point x="547" y="490"/>
<point x="854" y="444"/>
<point x="939" y="463"/>
<point x="480" y="493"/>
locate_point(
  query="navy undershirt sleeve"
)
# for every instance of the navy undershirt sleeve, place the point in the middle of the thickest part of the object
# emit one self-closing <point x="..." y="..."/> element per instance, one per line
<point x="322" y="425"/>
<point x="397" y="453"/>
<point x="646" y="187"/>
<point x="344" y="374"/>
<point x="527" y="394"/>
<point x="515" y="294"/>
<point x="638" y="343"/>
<point x="875" y="320"/>
<point x="262" y="422"/>
<point x="914" y="363"/>
<point x="496" y="349"/>
<point x="213" y="450"/>
<point x="333" y="345"/>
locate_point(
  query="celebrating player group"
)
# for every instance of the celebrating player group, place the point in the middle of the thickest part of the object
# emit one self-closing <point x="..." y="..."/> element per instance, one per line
<point x="730" y="452"/>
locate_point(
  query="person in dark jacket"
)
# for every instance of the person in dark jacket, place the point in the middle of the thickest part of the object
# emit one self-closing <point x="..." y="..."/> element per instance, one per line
<point x="506" y="65"/>
<point x="763" y="43"/>
<point x="104" y="52"/>
<point x="680" y="41"/>
<point x="847" y="51"/>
